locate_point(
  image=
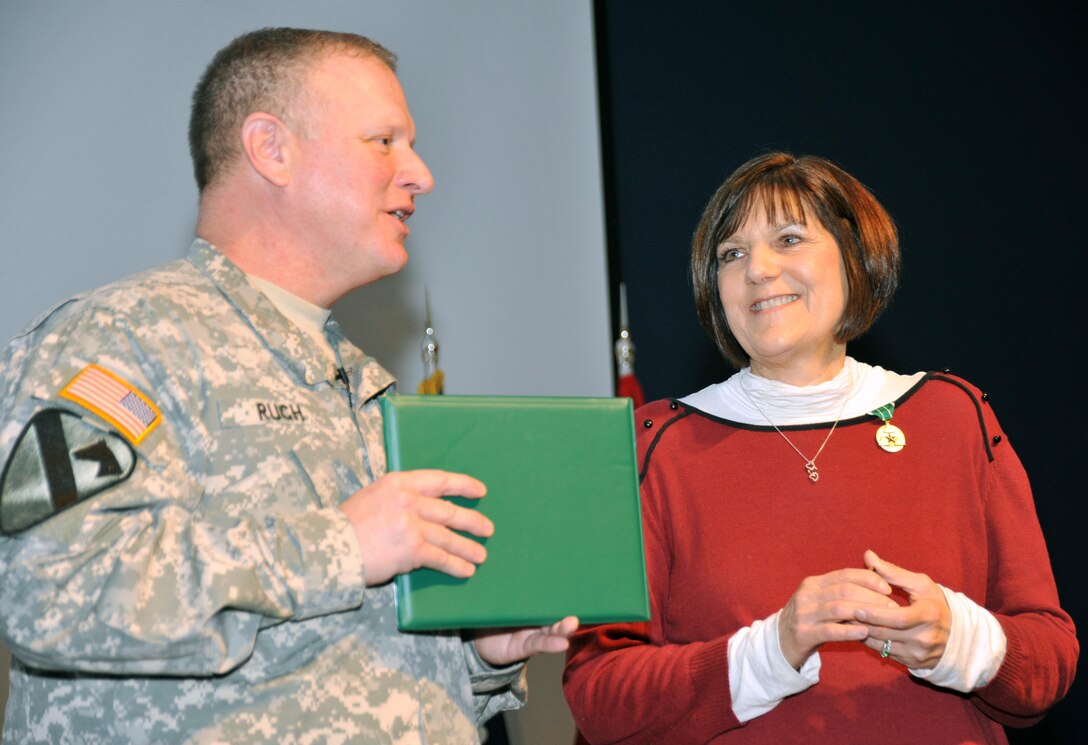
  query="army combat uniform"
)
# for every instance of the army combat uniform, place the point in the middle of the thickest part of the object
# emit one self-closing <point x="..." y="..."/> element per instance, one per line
<point x="173" y="565"/>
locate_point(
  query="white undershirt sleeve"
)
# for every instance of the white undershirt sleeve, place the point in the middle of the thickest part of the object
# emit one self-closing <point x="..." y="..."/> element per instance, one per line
<point x="759" y="675"/>
<point x="975" y="650"/>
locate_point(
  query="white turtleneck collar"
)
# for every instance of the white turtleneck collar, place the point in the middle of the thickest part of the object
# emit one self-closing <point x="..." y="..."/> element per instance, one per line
<point x="861" y="387"/>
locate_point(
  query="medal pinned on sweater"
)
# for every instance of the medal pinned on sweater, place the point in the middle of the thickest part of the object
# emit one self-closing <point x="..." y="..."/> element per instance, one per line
<point x="888" y="436"/>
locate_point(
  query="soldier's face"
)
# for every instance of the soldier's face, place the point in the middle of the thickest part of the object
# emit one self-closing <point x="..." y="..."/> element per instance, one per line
<point x="357" y="170"/>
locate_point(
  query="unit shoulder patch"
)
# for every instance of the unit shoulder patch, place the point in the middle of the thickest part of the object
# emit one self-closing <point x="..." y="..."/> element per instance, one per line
<point x="58" y="461"/>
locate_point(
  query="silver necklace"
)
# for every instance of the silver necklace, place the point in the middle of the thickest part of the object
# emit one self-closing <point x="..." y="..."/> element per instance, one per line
<point x="810" y="463"/>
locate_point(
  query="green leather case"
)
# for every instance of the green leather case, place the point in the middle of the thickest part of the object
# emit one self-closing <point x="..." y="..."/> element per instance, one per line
<point x="562" y="490"/>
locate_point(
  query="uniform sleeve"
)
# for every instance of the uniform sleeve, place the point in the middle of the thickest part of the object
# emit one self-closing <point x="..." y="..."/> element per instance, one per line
<point x="138" y="578"/>
<point x="625" y="684"/>
<point x="494" y="689"/>
<point x="1042" y="648"/>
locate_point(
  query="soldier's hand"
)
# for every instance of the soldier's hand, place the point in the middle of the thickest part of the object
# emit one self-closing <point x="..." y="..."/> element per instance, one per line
<point x="504" y="646"/>
<point x="401" y="524"/>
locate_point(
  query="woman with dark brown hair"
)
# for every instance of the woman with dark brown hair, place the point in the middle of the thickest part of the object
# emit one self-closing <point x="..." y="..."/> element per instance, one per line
<point x="836" y="552"/>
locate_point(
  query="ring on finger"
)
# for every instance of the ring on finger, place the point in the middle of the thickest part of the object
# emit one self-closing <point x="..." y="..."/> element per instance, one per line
<point x="886" y="648"/>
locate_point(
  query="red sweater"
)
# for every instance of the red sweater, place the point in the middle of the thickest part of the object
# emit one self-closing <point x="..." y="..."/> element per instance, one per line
<point x="732" y="526"/>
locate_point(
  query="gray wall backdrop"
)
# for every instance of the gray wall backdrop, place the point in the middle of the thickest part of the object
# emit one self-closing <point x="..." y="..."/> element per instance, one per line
<point x="97" y="184"/>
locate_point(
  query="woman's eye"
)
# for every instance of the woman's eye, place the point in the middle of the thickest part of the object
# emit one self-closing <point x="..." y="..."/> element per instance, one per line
<point x="729" y="254"/>
<point x="790" y="239"/>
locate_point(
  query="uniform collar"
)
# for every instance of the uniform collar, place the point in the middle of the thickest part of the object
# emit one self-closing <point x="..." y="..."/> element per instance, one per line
<point x="294" y="349"/>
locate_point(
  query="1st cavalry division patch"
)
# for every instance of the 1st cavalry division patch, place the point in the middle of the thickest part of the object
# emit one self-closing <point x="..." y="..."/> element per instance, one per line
<point x="59" y="460"/>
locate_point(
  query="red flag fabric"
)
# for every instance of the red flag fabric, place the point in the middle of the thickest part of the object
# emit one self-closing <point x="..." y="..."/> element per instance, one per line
<point x="628" y="385"/>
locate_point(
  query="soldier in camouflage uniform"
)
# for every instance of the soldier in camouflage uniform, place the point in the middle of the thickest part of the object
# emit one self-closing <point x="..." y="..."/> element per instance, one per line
<point x="196" y="529"/>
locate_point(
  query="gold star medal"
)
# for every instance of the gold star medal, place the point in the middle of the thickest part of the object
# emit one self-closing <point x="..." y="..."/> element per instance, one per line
<point x="888" y="436"/>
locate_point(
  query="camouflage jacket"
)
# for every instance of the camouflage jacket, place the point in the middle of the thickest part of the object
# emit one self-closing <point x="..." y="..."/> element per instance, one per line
<point x="173" y="567"/>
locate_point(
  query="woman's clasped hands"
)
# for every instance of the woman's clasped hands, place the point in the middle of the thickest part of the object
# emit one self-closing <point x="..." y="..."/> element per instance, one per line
<point x="857" y="605"/>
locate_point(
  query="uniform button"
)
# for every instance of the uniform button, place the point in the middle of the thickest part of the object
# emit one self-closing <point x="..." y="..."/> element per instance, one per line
<point x="997" y="439"/>
<point x="673" y="405"/>
<point x="985" y="396"/>
<point x="648" y="423"/>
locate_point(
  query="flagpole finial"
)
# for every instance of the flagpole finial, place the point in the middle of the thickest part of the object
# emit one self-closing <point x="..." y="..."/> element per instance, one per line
<point x="626" y="382"/>
<point x="624" y="347"/>
<point x="433" y="377"/>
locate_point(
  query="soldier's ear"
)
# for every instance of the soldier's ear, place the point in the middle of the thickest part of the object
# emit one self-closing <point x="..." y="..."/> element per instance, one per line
<point x="265" y="141"/>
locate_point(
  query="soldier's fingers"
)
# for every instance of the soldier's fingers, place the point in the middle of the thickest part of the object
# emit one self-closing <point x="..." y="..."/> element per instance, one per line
<point x="450" y="553"/>
<point x="435" y="483"/>
<point x="442" y="512"/>
<point x="454" y="543"/>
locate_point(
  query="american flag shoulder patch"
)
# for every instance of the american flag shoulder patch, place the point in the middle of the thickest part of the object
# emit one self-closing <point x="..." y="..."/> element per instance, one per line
<point x="115" y="400"/>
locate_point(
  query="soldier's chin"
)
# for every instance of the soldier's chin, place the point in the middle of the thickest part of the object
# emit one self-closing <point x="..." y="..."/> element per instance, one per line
<point x="391" y="261"/>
